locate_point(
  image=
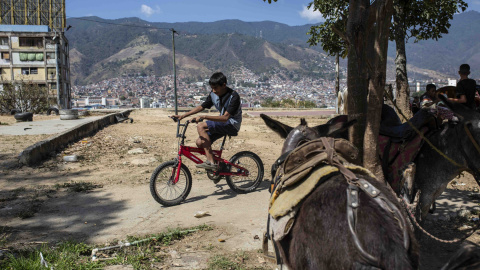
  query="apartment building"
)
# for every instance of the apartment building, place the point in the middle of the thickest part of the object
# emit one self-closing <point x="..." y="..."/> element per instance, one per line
<point x="35" y="54"/>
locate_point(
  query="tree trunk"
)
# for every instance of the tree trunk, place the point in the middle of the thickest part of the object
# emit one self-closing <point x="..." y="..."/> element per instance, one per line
<point x="403" y="90"/>
<point x="357" y="82"/>
<point x="377" y="52"/>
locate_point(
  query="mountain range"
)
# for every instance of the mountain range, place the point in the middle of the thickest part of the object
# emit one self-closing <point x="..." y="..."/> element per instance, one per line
<point x="102" y="49"/>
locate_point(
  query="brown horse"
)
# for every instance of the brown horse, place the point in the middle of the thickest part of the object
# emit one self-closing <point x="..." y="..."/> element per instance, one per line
<point x="322" y="236"/>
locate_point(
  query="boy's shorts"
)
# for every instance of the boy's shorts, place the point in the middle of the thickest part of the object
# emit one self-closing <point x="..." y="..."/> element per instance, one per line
<point x="217" y="130"/>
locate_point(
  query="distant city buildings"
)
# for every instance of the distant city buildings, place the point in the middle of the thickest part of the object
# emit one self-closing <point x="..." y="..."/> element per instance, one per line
<point x="158" y="91"/>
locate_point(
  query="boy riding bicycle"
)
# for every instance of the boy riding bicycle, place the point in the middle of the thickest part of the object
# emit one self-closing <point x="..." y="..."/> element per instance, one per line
<point x="227" y="102"/>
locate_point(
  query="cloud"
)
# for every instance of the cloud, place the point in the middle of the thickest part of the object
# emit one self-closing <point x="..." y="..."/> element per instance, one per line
<point x="309" y="14"/>
<point x="148" y="11"/>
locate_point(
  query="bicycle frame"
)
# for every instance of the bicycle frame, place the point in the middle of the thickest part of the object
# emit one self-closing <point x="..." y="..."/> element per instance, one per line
<point x="188" y="151"/>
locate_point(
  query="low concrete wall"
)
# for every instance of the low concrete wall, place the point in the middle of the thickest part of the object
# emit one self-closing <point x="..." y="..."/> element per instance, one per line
<point x="42" y="150"/>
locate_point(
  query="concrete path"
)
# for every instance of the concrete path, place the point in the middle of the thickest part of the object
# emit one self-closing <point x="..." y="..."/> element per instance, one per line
<point x="44" y="127"/>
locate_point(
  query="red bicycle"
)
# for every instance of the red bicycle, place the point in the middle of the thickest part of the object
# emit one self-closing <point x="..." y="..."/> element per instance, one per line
<point x="171" y="182"/>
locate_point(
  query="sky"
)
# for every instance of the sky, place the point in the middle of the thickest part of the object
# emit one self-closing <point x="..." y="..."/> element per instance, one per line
<point x="290" y="12"/>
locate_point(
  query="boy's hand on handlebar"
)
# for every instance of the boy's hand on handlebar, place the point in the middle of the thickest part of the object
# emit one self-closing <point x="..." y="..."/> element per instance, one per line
<point x="197" y="119"/>
<point x="176" y="118"/>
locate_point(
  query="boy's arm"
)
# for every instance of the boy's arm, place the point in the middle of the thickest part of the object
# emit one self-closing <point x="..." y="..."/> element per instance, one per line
<point x="191" y="112"/>
<point x="461" y="93"/>
<point x="462" y="99"/>
<point x="216" y="118"/>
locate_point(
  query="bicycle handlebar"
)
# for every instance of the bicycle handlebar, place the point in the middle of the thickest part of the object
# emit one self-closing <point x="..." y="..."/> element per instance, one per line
<point x="175" y="119"/>
<point x="193" y="121"/>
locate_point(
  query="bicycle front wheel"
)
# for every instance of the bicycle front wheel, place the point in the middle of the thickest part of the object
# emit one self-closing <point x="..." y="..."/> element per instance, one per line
<point x="254" y="165"/>
<point x="163" y="190"/>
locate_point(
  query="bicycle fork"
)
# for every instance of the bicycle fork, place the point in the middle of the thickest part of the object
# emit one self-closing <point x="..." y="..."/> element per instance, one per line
<point x="176" y="170"/>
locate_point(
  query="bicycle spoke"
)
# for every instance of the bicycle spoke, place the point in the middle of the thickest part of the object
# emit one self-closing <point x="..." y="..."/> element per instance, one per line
<point x="166" y="189"/>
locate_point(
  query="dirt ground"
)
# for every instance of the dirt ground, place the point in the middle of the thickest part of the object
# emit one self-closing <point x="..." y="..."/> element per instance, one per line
<point x="39" y="204"/>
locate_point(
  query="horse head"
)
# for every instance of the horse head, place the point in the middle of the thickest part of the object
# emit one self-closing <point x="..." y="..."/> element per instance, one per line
<point x="294" y="137"/>
<point x="468" y="135"/>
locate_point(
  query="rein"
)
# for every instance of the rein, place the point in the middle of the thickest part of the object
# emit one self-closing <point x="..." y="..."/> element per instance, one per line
<point x="414" y="220"/>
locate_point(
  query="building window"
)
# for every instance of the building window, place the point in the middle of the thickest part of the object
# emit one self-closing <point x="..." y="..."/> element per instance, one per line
<point x="28" y="71"/>
<point x="3" y="40"/>
<point x="31" y="42"/>
<point x="50" y="55"/>
<point x="31" y="56"/>
<point x="6" y="55"/>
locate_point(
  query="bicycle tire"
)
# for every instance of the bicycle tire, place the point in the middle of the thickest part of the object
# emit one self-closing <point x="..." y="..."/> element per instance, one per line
<point x="164" y="171"/>
<point x="242" y="184"/>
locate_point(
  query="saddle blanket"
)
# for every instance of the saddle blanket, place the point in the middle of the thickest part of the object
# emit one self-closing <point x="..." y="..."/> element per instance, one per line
<point x="399" y="155"/>
<point x="292" y="195"/>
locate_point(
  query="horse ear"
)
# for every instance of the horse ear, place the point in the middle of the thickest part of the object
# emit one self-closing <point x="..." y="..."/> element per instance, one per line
<point x="279" y="128"/>
<point x="335" y="129"/>
<point x="338" y="119"/>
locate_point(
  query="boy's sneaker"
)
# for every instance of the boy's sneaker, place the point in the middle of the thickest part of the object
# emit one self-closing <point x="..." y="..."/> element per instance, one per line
<point x="207" y="165"/>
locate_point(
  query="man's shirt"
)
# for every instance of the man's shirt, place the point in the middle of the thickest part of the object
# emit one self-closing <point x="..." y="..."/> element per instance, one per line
<point x="229" y="102"/>
<point x="467" y="87"/>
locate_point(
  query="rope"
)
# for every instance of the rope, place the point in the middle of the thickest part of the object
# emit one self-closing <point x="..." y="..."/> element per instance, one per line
<point x="469" y="134"/>
<point x="414" y="220"/>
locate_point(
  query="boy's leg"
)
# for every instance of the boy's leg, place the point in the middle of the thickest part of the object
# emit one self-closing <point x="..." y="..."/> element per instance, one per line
<point x="204" y="141"/>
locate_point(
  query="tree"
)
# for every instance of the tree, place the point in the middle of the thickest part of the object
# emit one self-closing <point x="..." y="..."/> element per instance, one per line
<point x="411" y="18"/>
<point x="421" y="20"/>
<point x="364" y="30"/>
<point x="24" y="96"/>
<point x="360" y="29"/>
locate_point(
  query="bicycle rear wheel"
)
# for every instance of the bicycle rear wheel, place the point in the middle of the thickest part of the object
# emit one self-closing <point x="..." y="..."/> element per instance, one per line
<point x="254" y="165"/>
<point x="163" y="190"/>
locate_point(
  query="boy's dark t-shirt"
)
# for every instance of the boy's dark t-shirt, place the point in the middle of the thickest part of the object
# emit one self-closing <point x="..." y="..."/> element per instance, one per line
<point x="467" y="87"/>
<point x="232" y="107"/>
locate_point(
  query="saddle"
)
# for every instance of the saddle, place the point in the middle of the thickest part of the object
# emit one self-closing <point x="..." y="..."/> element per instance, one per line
<point x="304" y="158"/>
<point x="399" y="143"/>
<point x="302" y="169"/>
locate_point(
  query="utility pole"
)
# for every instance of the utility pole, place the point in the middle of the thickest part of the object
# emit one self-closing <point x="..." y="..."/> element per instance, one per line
<point x="337" y="74"/>
<point x="174" y="71"/>
<point x="175" y="78"/>
<point x="337" y="81"/>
